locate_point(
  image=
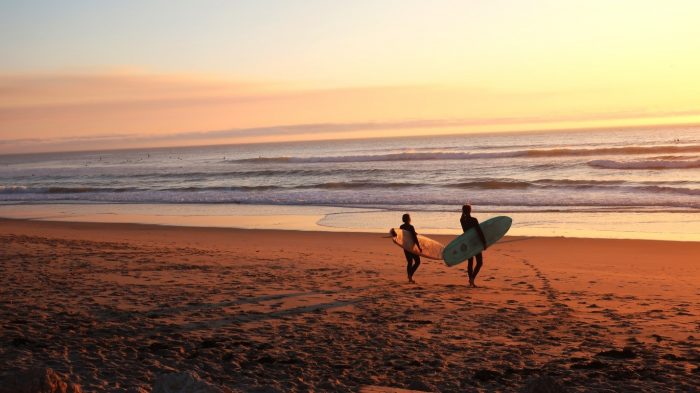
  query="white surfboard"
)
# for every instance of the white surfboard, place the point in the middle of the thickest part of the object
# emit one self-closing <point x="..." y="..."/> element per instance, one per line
<point x="404" y="239"/>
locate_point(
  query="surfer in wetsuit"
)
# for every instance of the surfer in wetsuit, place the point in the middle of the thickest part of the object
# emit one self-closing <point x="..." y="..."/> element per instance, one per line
<point x="469" y="222"/>
<point x="412" y="260"/>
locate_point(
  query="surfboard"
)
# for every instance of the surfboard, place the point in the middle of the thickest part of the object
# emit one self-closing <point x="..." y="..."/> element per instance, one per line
<point x="404" y="239"/>
<point x="469" y="244"/>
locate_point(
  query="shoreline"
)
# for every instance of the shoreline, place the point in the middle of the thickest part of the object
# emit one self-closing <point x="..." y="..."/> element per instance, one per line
<point x="136" y="226"/>
<point x="118" y="306"/>
<point x="669" y="226"/>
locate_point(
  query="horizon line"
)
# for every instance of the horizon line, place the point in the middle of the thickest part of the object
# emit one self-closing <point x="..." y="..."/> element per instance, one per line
<point x="476" y="133"/>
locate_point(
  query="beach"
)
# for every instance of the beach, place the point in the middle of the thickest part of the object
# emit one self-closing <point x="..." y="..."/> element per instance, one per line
<point x="115" y="307"/>
<point x="221" y="197"/>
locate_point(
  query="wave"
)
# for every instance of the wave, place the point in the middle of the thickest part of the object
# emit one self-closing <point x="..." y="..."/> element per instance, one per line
<point x="580" y="183"/>
<point x="358" y="185"/>
<point x="61" y="190"/>
<point x="416" y="198"/>
<point x="506" y="184"/>
<point x="475" y="184"/>
<point x="646" y="164"/>
<point x="566" y="184"/>
<point x="337" y="192"/>
<point x="492" y="185"/>
<point x="270" y="172"/>
<point x="486" y="184"/>
<point x="429" y="156"/>
<point x="152" y="176"/>
<point x="352" y="185"/>
<point x="672" y="190"/>
<point x="412" y="156"/>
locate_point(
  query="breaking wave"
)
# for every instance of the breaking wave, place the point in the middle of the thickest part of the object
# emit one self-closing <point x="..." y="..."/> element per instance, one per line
<point x="484" y="185"/>
<point x="429" y="156"/>
<point x="646" y="164"/>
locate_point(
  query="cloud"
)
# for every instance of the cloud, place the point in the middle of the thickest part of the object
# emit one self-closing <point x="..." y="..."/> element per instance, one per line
<point x="72" y="106"/>
<point x="35" y="89"/>
<point x="40" y="112"/>
<point x="311" y="129"/>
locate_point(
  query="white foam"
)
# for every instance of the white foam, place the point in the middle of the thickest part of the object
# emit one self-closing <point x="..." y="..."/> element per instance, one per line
<point x="647" y="164"/>
<point x="430" y="156"/>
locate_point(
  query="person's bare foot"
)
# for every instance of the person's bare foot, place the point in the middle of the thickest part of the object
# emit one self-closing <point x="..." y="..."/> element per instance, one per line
<point x="471" y="283"/>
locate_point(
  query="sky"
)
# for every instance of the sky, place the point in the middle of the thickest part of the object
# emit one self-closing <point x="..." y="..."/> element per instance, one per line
<point x="110" y="74"/>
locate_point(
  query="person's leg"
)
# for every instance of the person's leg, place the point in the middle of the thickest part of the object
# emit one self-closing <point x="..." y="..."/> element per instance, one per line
<point x="470" y="270"/>
<point x="409" y="259"/>
<point x="479" y="263"/>
<point x="416" y="260"/>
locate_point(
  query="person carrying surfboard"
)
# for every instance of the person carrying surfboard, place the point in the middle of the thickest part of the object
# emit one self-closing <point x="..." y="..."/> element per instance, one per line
<point x="469" y="222"/>
<point x="412" y="260"/>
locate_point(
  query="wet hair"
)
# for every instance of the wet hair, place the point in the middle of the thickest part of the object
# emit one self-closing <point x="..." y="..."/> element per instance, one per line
<point x="466" y="209"/>
<point x="405" y="218"/>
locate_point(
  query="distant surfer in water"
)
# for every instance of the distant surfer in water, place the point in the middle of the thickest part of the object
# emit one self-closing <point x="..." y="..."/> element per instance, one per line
<point x="469" y="222"/>
<point x="412" y="260"/>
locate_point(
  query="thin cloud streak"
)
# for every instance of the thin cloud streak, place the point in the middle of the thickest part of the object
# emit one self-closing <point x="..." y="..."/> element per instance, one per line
<point x="312" y="129"/>
<point x="127" y="110"/>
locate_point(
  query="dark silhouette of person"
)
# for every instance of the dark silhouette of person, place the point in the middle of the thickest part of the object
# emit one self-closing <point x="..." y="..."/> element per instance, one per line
<point x="469" y="222"/>
<point x="412" y="260"/>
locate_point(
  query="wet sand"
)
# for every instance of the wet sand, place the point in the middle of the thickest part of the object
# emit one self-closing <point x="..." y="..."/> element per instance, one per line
<point x="113" y="307"/>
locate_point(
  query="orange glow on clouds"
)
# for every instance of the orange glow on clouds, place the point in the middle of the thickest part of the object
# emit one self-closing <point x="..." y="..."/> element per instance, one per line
<point x="151" y="110"/>
<point x="418" y="68"/>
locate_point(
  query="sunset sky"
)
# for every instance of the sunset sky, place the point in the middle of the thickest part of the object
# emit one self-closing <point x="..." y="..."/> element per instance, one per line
<point x="107" y="74"/>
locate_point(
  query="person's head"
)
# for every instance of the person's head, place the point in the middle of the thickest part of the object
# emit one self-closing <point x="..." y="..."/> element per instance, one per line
<point x="406" y="218"/>
<point x="466" y="209"/>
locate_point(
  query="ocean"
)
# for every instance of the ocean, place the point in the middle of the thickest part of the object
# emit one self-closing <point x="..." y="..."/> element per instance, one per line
<point x="587" y="177"/>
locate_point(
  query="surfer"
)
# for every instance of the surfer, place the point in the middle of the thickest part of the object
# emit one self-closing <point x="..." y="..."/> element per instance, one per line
<point x="412" y="260"/>
<point x="469" y="222"/>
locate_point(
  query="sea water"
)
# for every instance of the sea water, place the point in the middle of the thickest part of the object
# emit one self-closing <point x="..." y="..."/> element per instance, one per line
<point x="557" y="183"/>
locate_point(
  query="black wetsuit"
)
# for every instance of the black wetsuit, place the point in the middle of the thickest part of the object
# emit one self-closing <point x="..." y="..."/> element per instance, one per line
<point x="412" y="260"/>
<point x="469" y="222"/>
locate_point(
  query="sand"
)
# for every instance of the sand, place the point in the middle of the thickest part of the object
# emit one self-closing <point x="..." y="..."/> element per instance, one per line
<point x="114" y="307"/>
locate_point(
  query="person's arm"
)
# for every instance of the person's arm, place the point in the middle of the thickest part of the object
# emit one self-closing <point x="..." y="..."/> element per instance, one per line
<point x="463" y="223"/>
<point x="481" y="234"/>
<point x="415" y="238"/>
